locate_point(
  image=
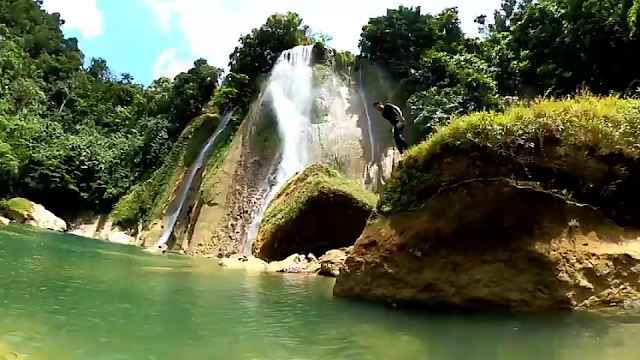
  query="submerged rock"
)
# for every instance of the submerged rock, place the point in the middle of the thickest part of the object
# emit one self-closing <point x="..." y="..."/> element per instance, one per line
<point x="27" y="212"/>
<point x="156" y="249"/>
<point x="121" y="237"/>
<point x="495" y="245"/>
<point x="240" y="261"/>
<point x="315" y="211"/>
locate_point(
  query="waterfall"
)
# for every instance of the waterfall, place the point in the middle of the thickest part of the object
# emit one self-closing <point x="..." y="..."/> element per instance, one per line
<point x="199" y="163"/>
<point x="290" y="93"/>
<point x="366" y="110"/>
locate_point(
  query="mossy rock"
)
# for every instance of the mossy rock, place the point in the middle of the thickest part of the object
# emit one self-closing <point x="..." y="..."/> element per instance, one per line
<point x="19" y="209"/>
<point x="585" y="147"/>
<point x="315" y="211"/>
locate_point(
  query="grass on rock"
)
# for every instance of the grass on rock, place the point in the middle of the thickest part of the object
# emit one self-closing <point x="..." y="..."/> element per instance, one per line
<point x="18" y="205"/>
<point x="295" y="194"/>
<point x="586" y="145"/>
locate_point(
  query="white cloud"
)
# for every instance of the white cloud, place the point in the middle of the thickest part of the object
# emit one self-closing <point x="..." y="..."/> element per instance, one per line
<point x="83" y="15"/>
<point x="212" y="28"/>
<point x="167" y="65"/>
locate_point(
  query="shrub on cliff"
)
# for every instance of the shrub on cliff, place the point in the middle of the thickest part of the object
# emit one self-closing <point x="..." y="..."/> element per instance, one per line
<point x="585" y="146"/>
<point x="315" y="211"/>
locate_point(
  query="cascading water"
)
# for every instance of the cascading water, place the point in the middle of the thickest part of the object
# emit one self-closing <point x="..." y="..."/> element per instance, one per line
<point x="366" y="111"/>
<point x="289" y="91"/>
<point x="199" y="163"/>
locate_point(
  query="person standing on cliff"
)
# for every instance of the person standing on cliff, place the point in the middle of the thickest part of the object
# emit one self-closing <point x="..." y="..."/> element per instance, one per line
<point x="393" y="114"/>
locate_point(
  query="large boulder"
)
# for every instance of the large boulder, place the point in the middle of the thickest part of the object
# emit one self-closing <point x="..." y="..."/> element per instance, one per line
<point x="315" y="211"/>
<point x="531" y="209"/>
<point x="27" y="212"/>
<point x="492" y="244"/>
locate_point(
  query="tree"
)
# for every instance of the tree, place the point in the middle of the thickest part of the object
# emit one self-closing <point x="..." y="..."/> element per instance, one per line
<point x="258" y="51"/>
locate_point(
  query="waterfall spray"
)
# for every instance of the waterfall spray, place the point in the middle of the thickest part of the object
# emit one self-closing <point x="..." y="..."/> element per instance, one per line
<point x="289" y="92"/>
<point x="199" y="163"/>
<point x="366" y="111"/>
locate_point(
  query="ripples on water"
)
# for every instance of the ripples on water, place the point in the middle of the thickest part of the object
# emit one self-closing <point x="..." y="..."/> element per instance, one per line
<point x="64" y="297"/>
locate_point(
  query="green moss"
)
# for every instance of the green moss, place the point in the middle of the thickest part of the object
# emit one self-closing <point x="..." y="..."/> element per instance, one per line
<point x="586" y="145"/>
<point x="18" y="205"/>
<point x="321" y="74"/>
<point x="265" y="137"/>
<point x="218" y="154"/>
<point x="146" y="201"/>
<point x="303" y="186"/>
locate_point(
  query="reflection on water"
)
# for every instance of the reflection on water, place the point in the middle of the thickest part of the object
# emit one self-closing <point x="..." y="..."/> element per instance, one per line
<point x="64" y="297"/>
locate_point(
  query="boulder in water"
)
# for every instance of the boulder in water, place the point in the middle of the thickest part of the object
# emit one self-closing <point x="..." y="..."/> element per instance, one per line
<point x="120" y="237"/>
<point x="476" y="247"/>
<point x="452" y="232"/>
<point x="247" y="262"/>
<point x="292" y="264"/>
<point x="27" y="212"/>
<point x="315" y="211"/>
<point x="332" y="263"/>
<point x="4" y="221"/>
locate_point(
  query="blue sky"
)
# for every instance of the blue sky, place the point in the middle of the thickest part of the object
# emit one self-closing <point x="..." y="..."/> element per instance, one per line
<point x="153" y="38"/>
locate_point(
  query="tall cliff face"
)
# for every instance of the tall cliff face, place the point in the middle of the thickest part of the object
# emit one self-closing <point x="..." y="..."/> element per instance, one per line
<point x="233" y="190"/>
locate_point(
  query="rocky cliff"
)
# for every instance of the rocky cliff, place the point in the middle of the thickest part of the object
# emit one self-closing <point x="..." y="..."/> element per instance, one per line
<point x="225" y="194"/>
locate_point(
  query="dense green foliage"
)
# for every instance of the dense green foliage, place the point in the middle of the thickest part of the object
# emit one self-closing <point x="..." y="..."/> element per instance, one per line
<point x="74" y="137"/>
<point x="530" y="49"/>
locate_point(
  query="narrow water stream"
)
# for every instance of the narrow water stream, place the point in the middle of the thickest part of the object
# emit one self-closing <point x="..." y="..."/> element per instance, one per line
<point x="65" y="297"/>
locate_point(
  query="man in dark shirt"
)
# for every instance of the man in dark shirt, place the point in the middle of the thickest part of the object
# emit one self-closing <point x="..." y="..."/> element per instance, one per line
<point x="394" y="115"/>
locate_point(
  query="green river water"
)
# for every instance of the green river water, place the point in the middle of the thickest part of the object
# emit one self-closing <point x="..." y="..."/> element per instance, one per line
<point x="66" y="297"/>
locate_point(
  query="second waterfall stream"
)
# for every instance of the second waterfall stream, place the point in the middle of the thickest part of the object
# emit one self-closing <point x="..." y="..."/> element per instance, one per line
<point x="289" y="92"/>
<point x="197" y="165"/>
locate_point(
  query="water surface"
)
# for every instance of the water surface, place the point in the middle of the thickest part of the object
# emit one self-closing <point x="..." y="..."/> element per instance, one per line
<point x="66" y="297"/>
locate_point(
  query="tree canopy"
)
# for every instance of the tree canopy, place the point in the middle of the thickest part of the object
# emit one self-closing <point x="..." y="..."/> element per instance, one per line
<point x="529" y="49"/>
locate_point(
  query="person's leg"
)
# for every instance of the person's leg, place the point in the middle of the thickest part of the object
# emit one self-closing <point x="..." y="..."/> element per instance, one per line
<point x="401" y="143"/>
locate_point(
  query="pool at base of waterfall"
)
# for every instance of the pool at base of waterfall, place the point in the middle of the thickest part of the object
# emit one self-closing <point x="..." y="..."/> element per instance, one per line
<point x="66" y="297"/>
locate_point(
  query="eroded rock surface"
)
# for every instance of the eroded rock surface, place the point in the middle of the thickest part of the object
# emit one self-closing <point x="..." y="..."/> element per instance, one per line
<point x="495" y="245"/>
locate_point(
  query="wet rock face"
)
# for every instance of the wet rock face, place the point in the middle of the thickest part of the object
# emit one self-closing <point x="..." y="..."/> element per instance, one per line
<point x="492" y="245"/>
<point x="220" y="226"/>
